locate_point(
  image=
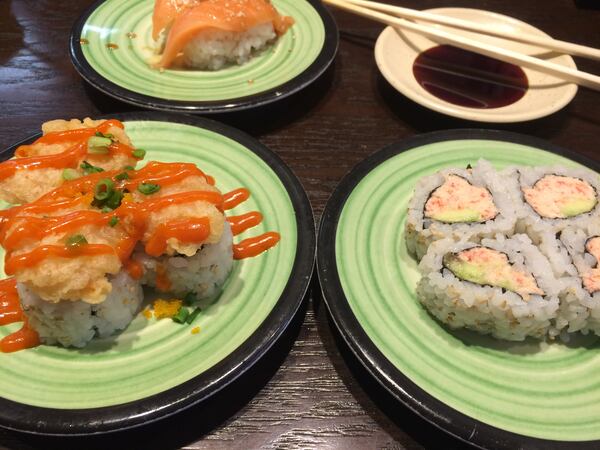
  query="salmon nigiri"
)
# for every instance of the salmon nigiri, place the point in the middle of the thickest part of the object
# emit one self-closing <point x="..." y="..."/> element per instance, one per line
<point x="214" y="33"/>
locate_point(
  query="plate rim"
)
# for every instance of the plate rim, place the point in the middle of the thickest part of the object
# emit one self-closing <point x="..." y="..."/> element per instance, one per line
<point x="88" y="421"/>
<point x="473" y="114"/>
<point x="429" y="408"/>
<point x="321" y="63"/>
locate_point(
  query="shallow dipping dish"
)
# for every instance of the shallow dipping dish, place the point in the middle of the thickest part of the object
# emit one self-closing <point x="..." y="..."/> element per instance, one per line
<point x="111" y="47"/>
<point x="396" y="51"/>
<point x="488" y="392"/>
<point x="47" y="390"/>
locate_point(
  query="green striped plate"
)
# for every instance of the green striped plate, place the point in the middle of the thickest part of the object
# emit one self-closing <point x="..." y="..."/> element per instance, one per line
<point x="160" y="367"/>
<point x="490" y="393"/>
<point x="111" y="46"/>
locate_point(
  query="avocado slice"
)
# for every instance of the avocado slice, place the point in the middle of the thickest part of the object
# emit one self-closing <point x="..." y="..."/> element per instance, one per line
<point x="457" y="215"/>
<point x="578" y="206"/>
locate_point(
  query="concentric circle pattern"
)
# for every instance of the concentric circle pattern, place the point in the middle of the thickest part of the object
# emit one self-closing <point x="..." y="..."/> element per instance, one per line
<point x="153" y="356"/>
<point x="549" y="391"/>
<point x="117" y="43"/>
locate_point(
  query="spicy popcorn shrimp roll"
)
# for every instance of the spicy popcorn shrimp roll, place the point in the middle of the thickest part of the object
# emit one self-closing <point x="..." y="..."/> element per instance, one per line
<point x="187" y="243"/>
<point x="70" y="278"/>
<point x="66" y="150"/>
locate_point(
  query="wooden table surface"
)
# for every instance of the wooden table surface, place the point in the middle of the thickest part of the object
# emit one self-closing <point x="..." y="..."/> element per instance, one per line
<point x="309" y="391"/>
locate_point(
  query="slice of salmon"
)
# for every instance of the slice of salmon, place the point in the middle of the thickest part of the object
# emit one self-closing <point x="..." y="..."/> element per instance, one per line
<point x="166" y="11"/>
<point x="225" y="15"/>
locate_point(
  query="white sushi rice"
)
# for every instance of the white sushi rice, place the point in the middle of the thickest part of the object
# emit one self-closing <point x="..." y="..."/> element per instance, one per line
<point x="74" y="324"/>
<point x="421" y="231"/>
<point x="486" y="309"/>
<point x="204" y="273"/>
<point x="528" y="220"/>
<point x="216" y="49"/>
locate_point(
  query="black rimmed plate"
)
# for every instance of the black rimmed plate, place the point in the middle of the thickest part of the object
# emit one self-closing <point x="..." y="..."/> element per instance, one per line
<point x="490" y="393"/>
<point x="111" y="46"/>
<point x="157" y="368"/>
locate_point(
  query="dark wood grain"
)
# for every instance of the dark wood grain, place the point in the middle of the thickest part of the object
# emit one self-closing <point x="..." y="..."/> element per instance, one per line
<point x="309" y="391"/>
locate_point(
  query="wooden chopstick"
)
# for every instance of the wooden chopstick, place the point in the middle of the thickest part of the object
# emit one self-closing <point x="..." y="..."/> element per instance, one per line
<point x="566" y="73"/>
<point x="549" y="43"/>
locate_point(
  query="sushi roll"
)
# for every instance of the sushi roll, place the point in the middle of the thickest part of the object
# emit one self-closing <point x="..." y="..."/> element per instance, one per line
<point x="211" y="34"/>
<point x="553" y="198"/>
<point x="461" y="204"/>
<point x="71" y="280"/>
<point x="502" y="286"/>
<point x="580" y="299"/>
<point x="186" y="246"/>
<point x="76" y="323"/>
<point x="66" y="150"/>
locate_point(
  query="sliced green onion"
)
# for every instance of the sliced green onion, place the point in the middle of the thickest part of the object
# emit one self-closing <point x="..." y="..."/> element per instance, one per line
<point x="148" y="188"/>
<point x="88" y="168"/>
<point x="98" y="150"/>
<point x="189" y="298"/>
<point x="97" y="141"/>
<point x="122" y="176"/>
<point x="139" y="153"/>
<point x="98" y="145"/>
<point x="128" y="168"/>
<point x="104" y="189"/>
<point x="114" y="201"/>
<point x="76" y="240"/>
<point x="193" y="315"/>
<point x="113" y="221"/>
<point x="106" y="209"/>
<point x="181" y="315"/>
<point x="70" y="174"/>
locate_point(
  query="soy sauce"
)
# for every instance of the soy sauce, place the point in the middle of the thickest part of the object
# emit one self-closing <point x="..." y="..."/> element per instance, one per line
<point x="468" y="79"/>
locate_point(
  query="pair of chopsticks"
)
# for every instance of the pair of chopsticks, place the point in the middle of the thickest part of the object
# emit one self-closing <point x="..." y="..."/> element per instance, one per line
<point x="401" y="18"/>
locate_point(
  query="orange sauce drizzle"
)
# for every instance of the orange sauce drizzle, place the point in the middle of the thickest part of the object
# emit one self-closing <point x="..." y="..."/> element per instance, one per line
<point x="10" y="307"/>
<point x="135" y="269"/>
<point x="11" y="312"/>
<point x="69" y="158"/>
<point x="25" y="260"/>
<point x="26" y="337"/>
<point x="77" y="135"/>
<point x="256" y="245"/>
<point x="162" y="280"/>
<point x="234" y="198"/>
<point x="187" y="230"/>
<point x="239" y="224"/>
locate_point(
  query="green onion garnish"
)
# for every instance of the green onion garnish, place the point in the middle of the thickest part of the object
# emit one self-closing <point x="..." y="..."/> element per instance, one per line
<point x="193" y="315"/>
<point x="148" y="188"/>
<point x="114" y="201"/>
<point x="70" y="174"/>
<point x="122" y="176"/>
<point x="181" y="315"/>
<point x="76" y="240"/>
<point x="113" y="221"/>
<point x="128" y="168"/>
<point x="104" y="189"/>
<point x="88" y="168"/>
<point x="139" y="153"/>
<point x="106" y="209"/>
<point x="98" y="145"/>
<point x="189" y="298"/>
